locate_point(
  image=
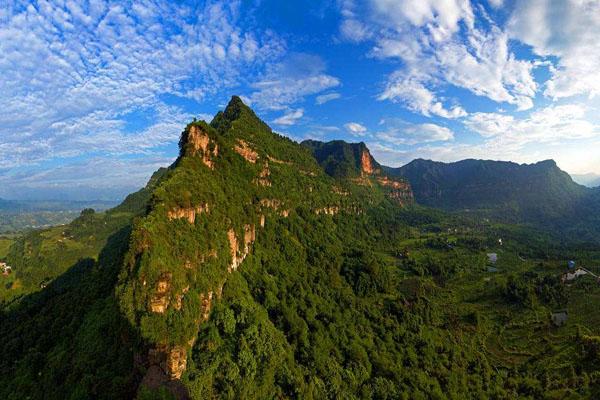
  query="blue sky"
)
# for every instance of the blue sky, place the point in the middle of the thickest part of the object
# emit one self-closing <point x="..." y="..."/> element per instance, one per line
<point x="94" y="95"/>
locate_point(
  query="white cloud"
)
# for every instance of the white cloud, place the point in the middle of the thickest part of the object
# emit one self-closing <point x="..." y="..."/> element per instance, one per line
<point x="398" y="132"/>
<point x="289" y="81"/>
<point x="71" y="73"/>
<point x="354" y="30"/>
<point x="324" y="98"/>
<point x="356" y="129"/>
<point x="440" y="44"/>
<point x="440" y="17"/>
<point x="560" y="132"/>
<point x="104" y="177"/>
<point x="416" y="97"/>
<point x="290" y="118"/>
<point x="487" y="68"/>
<point x="568" y="30"/>
<point x="547" y="125"/>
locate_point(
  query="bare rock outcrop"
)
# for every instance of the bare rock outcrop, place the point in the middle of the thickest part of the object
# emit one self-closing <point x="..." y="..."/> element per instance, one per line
<point x="331" y="210"/>
<point x="179" y="298"/>
<point x="340" y="191"/>
<point x="172" y="360"/>
<point x="206" y="305"/>
<point x="366" y="164"/>
<point x="203" y="145"/>
<point x="239" y="253"/>
<point x="160" y="299"/>
<point x="400" y="192"/>
<point x="243" y="149"/>
<point x="264" y="176"/>
<point x="188" y="213"/>
<point x="278" y="161"/>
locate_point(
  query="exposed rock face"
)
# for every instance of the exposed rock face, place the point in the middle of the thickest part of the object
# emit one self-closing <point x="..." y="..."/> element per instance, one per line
<point x="206" y="304"/>
<point x="401" y="192"/>
<point x="188" y="213"/>
<point x="160" y="299"/>
<point x="202" y="144"/>
<point x="340" y="191"/>
<point x="263" y="178"/>
<point x="233" y="248"/>
<point x="271" y="203"/>
<point x="171" y="360"/>
<point x="176" y="362"/>
<point x="238" y="255"/>
<point x="402" y="197"/>
<point x="333" y="210"/>
<point x="179" y="298"/>
<point x="363" y="181"/>
<point x="366" y="165"/>
<point x="385" y="181"/>
<point x="244" y="150"/>
<point x="276" y="205"/>
<point x="277" y="161"/>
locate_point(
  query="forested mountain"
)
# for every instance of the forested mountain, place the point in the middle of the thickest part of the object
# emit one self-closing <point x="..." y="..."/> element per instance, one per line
<point x="539" y="194"/>
<point x="341" y="159"/>
<point x="255" y="267"/>
<point x="514" y="191"/>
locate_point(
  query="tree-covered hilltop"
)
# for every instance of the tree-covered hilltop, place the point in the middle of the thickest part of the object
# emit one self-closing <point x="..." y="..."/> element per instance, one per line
<point x="250" y="270"/>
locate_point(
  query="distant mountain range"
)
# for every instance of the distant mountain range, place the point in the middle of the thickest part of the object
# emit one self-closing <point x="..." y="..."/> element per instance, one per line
<point x="52" y="205"/>
<point x="589" y="180"/>
<point x="519" y="191"/>
<point x="18" y="215"/>
<point x="540" y="194"/>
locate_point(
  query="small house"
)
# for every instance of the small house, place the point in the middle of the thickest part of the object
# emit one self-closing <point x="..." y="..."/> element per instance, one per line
<point x="492" y="257"/>
<point x="6" y="269"/>
<point x="569" y="276"/>
<point x="559" y="318"/>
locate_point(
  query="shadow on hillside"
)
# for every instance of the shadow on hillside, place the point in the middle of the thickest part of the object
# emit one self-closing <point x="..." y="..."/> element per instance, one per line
<point x="70" y="339"/>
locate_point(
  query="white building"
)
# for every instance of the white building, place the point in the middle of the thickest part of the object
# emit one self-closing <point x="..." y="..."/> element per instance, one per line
<point x="569" y="276"/>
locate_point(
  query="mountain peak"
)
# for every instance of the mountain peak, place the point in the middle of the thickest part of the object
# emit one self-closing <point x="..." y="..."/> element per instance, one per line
<point x="236" y="110"/>
<point x="547" y="163"/>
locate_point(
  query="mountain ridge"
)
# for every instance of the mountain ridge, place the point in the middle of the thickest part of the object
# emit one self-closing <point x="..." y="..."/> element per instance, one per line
<point x="501" y="189"/>
<point x="232" y="178"/>
<point x="246" y="270"/>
